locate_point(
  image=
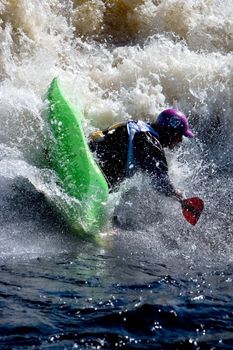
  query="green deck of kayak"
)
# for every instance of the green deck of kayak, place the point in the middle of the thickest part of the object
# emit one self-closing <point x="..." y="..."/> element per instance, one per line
<point x="73" y="162"/>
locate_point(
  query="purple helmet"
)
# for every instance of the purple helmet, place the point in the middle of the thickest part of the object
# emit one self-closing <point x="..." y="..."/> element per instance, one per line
<point x="174" y="120"/>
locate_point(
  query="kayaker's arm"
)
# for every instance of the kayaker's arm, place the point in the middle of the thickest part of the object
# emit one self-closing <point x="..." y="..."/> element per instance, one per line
<point x="151" y="158"/>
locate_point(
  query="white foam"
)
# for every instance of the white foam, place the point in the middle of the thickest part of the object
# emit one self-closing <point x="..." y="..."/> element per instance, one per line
<point x="168" y="53"/>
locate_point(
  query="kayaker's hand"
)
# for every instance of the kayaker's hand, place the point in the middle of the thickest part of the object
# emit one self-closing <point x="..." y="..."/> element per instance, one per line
<point x="179" y="195"/>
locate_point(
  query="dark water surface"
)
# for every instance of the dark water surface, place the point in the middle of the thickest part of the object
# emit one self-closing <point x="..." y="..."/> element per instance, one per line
<point x="166" y="286"/>
<point x="93" y="300"/>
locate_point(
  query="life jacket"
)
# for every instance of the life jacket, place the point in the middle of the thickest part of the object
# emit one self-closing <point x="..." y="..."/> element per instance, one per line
<point x="135" y="127"/>
<point x="99" y="135"/>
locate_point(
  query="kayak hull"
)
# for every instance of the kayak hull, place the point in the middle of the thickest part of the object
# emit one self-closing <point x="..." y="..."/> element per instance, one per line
<point x="78" y="174"/>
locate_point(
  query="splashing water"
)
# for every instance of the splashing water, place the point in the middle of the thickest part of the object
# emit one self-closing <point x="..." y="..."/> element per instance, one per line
<point x="121" y="59"/>
<point x="155" y="281"/>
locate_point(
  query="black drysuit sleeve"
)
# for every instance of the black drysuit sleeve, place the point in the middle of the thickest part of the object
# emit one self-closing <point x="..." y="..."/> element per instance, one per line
<point x="151" y="158"/>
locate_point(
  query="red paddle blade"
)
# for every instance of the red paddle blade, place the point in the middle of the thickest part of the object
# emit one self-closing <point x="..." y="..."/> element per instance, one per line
<point x="192" y="209"/>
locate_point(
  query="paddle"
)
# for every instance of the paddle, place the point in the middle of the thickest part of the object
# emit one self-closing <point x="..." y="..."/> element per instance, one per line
<point x="192" y="209"/>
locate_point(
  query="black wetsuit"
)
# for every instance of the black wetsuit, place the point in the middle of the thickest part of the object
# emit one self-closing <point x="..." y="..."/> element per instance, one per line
<point x="111" y="148"/>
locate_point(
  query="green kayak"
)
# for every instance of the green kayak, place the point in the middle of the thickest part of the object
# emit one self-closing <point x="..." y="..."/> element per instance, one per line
<point x="70" y="157"/>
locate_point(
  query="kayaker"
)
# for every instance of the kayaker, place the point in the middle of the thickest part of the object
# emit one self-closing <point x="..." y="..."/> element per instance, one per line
<point x="124" y="148"/>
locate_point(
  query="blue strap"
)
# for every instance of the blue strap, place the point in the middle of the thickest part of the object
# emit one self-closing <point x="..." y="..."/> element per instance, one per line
<point x="134" y="128"/>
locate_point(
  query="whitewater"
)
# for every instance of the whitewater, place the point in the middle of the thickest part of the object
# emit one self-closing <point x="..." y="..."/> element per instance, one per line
<point x="156" y="282"/>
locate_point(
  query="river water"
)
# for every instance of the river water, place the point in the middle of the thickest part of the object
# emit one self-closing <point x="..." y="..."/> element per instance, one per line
<point x="155" y="282"/>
